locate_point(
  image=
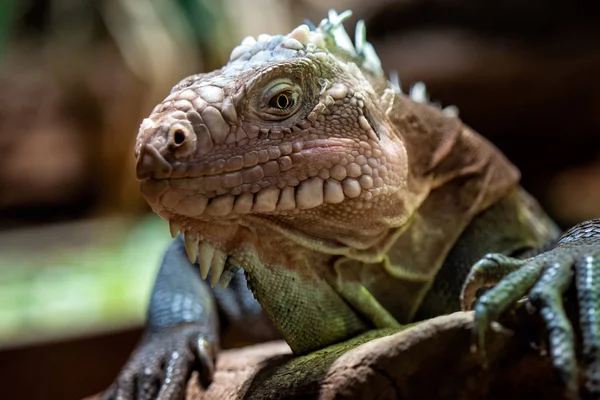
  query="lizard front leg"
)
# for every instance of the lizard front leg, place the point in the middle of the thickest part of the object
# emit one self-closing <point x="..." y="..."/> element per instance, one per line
<point x="544" y="279"/>
<point x="182" y="335"/>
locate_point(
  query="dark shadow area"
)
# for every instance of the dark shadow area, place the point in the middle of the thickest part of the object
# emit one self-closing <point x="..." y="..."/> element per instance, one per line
<point x="64" y="370"/>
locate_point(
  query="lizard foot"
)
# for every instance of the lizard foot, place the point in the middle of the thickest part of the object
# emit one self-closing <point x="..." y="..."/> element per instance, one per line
<point x="162" y="365"/>
<point x="544" y="279"/>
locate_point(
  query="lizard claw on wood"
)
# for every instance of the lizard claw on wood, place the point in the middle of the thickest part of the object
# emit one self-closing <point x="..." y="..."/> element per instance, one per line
<point x="545" y="279"/>
<point x="162" y="365"/>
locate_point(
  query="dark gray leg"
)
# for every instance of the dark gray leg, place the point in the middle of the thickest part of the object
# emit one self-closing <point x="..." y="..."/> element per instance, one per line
<point x="184" y="322"/>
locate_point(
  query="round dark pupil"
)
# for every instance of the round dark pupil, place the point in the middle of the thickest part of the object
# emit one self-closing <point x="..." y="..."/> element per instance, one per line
<point x="283" y="101"/>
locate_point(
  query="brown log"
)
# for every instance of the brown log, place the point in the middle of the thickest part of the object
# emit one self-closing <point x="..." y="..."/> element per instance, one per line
<point x="430" y="360"/>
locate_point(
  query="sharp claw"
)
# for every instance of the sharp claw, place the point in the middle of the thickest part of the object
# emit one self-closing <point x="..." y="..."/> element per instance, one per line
<point x="162" y="366"/>
<point x="482" y="323"/>
<point x="487" y="272"/>
<point x="205" y="355"/>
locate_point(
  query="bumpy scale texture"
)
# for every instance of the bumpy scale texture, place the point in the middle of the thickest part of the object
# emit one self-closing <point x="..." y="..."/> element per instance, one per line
<point x="347" y="204"/>
<point x="300" y="156"/>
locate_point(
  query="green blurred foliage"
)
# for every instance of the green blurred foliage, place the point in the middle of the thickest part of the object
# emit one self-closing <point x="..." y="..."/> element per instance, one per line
<point x="80" y="289"/>
<point x="7" y="8"/>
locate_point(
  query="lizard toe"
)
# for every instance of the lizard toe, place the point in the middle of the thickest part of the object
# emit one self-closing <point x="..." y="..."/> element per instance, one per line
<point x="545" y="280"/>
<point x="487" y="272"/>
<point x="547" y="297"/>
<point x="162" y="365"/>
<point x="178" y="370"/>
<point x="149" y="380"/>
<point x="492" y="304"/>
<point x="587" y="282"/>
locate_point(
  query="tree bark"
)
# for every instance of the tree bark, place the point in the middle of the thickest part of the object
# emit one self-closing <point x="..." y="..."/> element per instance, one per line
<point x="429" y="360"/>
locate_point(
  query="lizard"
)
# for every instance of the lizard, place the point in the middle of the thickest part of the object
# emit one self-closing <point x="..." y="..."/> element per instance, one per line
<point x="311" y="199"/>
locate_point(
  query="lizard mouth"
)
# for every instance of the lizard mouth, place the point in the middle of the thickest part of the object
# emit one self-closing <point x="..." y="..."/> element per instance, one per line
<point x="221" y="265"/>
<point x="212" y="221"/>
<point x="313" y="176"/>
<point x="218" y="231"/>
<point x="180" y="197"/>
<point x="291" y="192"/>
<point x="222" y="248"/>
<point x="214" y="197"/>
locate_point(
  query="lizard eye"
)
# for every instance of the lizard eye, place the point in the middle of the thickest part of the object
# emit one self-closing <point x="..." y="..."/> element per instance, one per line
<point x="281" y="101"/>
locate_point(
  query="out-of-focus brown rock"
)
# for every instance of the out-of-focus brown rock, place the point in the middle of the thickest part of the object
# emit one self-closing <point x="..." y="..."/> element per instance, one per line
<point x="430" y="360"/>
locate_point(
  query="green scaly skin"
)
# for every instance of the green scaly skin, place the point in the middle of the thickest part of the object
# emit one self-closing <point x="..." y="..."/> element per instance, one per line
<point x="327" y="204"/>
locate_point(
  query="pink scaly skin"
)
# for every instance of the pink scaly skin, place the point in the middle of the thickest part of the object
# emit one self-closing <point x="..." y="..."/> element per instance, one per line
<point x="347" y="204"/>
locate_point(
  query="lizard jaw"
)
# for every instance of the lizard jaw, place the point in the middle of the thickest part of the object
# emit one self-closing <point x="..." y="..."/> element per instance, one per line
<point x="213" y="258"/>
<point x="220" y="247"/>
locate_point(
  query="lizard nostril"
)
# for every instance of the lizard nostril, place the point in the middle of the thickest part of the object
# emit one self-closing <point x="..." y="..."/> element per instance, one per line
<point x="178" y="137"/>
<point x="181" y="140"/>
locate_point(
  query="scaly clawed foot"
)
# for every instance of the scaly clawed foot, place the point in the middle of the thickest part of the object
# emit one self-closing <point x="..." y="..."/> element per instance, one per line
<point x="544" y="279"/>
<point x="162" y="365"/>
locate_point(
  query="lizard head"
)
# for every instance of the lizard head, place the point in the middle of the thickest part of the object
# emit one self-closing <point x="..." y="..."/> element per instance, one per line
<point x="289" y="140"/>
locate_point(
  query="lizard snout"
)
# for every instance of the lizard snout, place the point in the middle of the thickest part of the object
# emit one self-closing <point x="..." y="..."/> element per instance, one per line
<point x="161" y="145"/>
<point x="151" y="164"/>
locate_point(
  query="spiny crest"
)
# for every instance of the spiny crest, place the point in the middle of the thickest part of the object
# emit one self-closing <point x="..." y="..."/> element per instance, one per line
<point x="363" y="53"/>
<point x="418" y="93"/>
<point x="336" y="39"/>
<point x="306" y="39"/>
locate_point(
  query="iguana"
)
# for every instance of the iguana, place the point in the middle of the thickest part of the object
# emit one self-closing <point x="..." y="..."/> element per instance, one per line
<point x="320" y="200"/>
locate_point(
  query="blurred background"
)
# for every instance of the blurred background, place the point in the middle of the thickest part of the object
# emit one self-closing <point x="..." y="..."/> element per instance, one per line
<point x="78" y="246"/>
